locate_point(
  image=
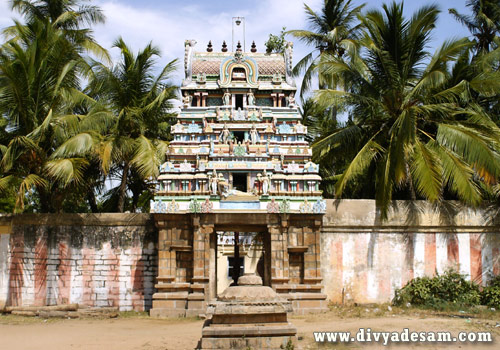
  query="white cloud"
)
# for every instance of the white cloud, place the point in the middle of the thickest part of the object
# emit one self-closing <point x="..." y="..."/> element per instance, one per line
<point x="6" y="15"/>
<point x="170" y="23"/>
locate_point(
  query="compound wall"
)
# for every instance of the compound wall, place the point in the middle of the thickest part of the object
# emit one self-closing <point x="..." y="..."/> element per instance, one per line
<point x="106" y="260"/>
<point x="112" y="259"/>
<point x="365" y="260"/>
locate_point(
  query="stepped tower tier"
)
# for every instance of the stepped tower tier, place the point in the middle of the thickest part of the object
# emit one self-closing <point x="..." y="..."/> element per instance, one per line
<point x="239" y="143"/>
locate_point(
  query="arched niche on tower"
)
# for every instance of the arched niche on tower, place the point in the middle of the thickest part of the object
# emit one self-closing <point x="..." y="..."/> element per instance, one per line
<point x="239" y="71"/>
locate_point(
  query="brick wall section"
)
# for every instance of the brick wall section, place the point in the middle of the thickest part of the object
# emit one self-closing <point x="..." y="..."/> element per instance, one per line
<point x="103" y="260"/>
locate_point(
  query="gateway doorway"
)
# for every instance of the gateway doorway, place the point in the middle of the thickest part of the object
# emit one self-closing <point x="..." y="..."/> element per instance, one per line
<point x="239" y="253"/>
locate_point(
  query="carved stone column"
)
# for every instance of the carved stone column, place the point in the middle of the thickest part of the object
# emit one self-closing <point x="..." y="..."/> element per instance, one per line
<point x="174" y="266"/>
<point x="280" y="99"/>
<point x="306" y="293"/>
<point x="197" y="95"/>
<point x="200" y="293"/>
<point x="204" y="99"/>
<point x="279" y="256"/>
<point x="275" y="99"/>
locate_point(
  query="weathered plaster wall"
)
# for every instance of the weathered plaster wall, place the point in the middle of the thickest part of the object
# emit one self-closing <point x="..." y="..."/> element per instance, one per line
<point x="95" y="260"/>
<point x="4" y="266"/>
<point x="364" y="260"/>
<point x="111" y="259"/>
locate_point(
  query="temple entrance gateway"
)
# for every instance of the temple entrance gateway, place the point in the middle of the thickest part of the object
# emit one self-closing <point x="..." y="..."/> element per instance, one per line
<point x="238" y="168"/>
<point x="191" y="249"/>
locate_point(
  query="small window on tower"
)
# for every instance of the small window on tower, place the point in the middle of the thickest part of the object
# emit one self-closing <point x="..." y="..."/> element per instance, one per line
<point x="239" y="74"/>
<point x="239" y="136"/>
<point x="238" y="101"/>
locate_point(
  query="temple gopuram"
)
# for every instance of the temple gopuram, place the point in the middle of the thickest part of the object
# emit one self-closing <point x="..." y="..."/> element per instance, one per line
<point x="239" y="165"/>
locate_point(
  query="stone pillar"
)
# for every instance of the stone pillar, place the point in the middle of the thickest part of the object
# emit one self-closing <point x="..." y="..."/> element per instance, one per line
<point x="198" y="98"/>
<point x="212" y="282"/>
<point x="280" y="99"/>
<point x="204" y="99"/>
<point x="200" y="291"/>
<point x="174" y="261"/>
<point x="274" y="97"/>
<point x="307" y="296"/>
<point x="279" y="256"/>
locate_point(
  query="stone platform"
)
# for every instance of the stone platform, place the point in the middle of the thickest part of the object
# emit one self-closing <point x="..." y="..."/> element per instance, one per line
<point x="248" y="316"/>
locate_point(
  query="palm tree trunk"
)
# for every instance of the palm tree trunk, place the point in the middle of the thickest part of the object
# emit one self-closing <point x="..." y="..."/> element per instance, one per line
<point x="92" y="201"/>
<point x="135" y="200"/>
<point x="44" y="196"/>
<point x="413" y="196"/>
<point x="123" y="188"/>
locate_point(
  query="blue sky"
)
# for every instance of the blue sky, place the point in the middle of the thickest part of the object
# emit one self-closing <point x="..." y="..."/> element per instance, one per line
<point x="168" y="23"/>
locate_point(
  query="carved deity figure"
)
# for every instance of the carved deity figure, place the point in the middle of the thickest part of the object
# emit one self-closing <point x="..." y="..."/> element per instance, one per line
<point x="186" y="100"/>
<point x="224" y="135"/>
<point x="214" y="182"/>
<point x="265" y="179"/>
<point x="251" y="98"/>
<point x="254" y="135"/>
<point x="226" y="99"/>
<point x="223" y="185"/>
<point x="291" y="100"/>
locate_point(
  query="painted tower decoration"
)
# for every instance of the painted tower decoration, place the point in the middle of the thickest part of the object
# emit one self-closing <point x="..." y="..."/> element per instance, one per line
<point x="239" y="143"/>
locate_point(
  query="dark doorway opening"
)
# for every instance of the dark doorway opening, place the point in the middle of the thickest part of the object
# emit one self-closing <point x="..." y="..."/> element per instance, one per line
<point x="239" y="136"/>
<point x="239" y="101"/>
<point x="240" y="181"/>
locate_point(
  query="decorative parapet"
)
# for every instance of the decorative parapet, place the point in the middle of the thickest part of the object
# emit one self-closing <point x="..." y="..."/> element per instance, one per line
<point x="246" y="63"/>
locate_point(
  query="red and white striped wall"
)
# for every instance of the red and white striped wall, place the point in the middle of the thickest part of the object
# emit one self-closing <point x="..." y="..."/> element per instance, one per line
<point x="42" y="269"/>
<point x="369" y="267"/>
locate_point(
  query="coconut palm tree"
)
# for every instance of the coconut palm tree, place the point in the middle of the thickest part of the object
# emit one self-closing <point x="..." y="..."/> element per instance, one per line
<point x="39" y="88"/>
<point x="71" y="16"/>
<point x="483" y="23"/>
<point x="140" y="106"/>
<point x="67" y="14"/>
<point x="415" y="131"/>
<point x="332" y="30"/>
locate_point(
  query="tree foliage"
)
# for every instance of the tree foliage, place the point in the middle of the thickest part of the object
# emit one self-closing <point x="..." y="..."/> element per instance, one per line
<point x="415" y="127"/>
<point x="332" y="30"/>
<point x="60" y="140"/>
<point x="276" y="43"/>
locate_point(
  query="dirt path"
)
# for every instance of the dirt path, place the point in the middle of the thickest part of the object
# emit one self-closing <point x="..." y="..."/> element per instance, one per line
<point x="152" y="334"/>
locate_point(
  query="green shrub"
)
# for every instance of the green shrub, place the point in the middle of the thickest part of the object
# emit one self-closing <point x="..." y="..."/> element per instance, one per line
<point x="491" y="295"/>
<point x="450" y="289"/>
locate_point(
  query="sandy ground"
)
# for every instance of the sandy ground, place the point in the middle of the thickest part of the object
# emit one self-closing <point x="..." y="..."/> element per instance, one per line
<point x="127" y="333"/>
